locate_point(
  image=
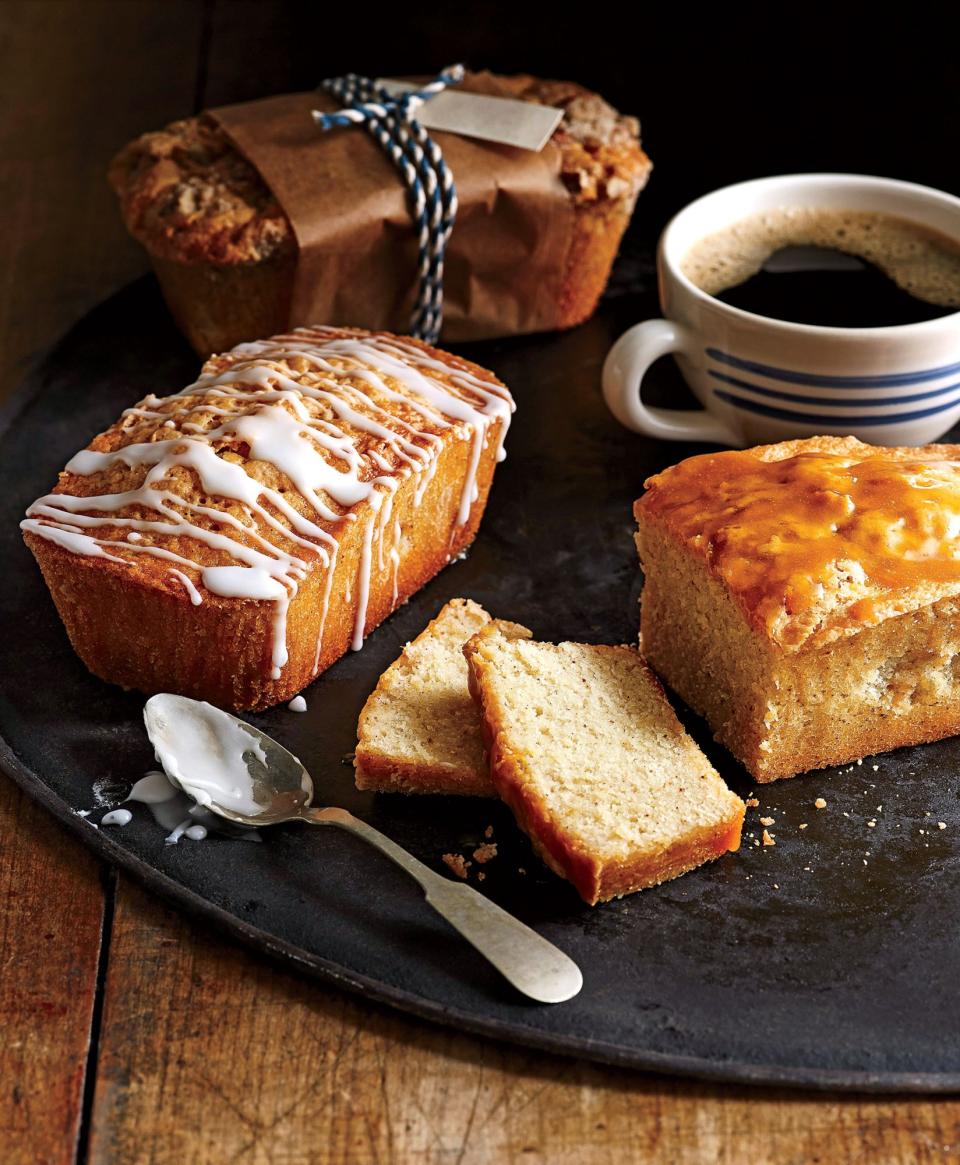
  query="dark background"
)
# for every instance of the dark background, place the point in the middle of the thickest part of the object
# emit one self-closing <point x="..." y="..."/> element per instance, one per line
<point x="724" y="93"/>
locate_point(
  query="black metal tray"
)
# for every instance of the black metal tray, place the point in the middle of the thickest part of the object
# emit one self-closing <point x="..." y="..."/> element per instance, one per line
<point x="830" y="960"/>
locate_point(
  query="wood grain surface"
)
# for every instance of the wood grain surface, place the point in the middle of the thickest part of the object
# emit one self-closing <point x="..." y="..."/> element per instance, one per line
<point x="77" y="80"/>
<point x="193" y="1049"/>
<point x="51" y="922"/>
<point x="209" y="1053"/>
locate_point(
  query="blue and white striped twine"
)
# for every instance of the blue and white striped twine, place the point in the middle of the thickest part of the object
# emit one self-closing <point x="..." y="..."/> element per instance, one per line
<point x="392" y="122"/>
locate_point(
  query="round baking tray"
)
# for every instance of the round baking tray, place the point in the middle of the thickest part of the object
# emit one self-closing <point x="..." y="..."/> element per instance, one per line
<point x="829" y="960"/>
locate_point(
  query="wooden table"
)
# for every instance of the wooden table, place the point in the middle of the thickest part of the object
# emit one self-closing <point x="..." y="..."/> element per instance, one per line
<point x="129" y="1033"/>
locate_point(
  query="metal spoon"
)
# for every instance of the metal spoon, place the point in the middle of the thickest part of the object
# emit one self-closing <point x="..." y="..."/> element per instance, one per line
<point x="242" y="774"/>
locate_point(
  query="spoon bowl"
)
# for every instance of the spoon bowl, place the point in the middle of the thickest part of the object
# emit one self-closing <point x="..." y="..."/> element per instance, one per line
<point x="225" y="764"/>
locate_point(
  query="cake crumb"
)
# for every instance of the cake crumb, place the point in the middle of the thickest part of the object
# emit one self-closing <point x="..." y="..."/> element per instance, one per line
<point x="752" y="802"/>
<point x="521" y="870"/>
<point x="767" y="820"/>
<point x="457" y="864"/>
<point x="803" y="825"/>
<point x="941" y="825"/>
<point x="860" y="761"/>
<point x="768" y="838"/>
<point x="819" y="803"/>
<point x="871" y="824"/>
<point x="488" y="832"/>
<point x="876" y="768"/>
<point x="485" y="853"/>
<point x="480" y="875"/>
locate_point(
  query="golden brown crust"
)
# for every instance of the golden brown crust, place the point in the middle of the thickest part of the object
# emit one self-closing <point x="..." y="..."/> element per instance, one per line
<point x="189" y="196"/>
<point x="818" y="538"/>
<point x="594" y="879"/>
<point x="141" y="631"/>
<point x="133" y="623"/>
<point x="225" y="253"/>
<point x="883" y="676"/>
<point x="381" y="774"/>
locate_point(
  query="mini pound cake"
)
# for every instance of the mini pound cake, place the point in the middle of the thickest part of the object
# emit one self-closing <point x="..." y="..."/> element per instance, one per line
<point x="588" y="754"/>
<point x="225" y="251"/>
<point x="419" y="732"/>
<point x="805" y="597"/>
<point x="231" y="541"/>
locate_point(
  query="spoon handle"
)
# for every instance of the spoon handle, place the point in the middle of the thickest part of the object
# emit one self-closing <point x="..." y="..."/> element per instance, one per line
<point x="534" y="966"/>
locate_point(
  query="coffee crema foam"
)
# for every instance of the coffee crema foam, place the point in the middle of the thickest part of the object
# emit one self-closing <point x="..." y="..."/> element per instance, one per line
<point x="920" y="260"/>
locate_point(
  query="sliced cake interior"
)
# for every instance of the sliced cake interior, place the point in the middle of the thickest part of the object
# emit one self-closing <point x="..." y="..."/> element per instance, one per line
<point x="589" y="755"/>
<point x="419" y="731"/>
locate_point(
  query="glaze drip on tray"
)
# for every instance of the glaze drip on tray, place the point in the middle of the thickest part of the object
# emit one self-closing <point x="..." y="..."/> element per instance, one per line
<point x="264" y="456"/>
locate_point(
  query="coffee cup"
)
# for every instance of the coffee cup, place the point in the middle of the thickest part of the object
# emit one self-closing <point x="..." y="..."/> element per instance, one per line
<point x="760" y="379"/>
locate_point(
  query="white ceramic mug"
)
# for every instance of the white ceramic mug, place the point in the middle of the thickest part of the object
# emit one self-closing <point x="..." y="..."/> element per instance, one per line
<point x="763" y="380"/>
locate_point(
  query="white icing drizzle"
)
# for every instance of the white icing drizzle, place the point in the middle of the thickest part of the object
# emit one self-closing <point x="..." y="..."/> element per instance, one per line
<point x="174" y="810"/>
<point x="195" y="597"/>
<point x="178" y="832"/>
<point x="306" y="404"/>
<point x="153" y="789"/>
<point x="363" y="586"/>
<point x="297" y="704"/>
<point x="117" y="817"/>
<point x="395" y="558"/>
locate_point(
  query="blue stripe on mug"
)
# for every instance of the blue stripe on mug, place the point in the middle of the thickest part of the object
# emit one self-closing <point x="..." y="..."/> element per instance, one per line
<point x="812" y="379"/>
<point x="753" y="406"/>
<point x="836" y="402"/>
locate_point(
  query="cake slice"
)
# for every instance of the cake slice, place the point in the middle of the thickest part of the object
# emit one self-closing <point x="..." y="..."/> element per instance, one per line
<point x="805" y="597"/>
<point x="588" y="754"/>
<point x="419" y="731"/>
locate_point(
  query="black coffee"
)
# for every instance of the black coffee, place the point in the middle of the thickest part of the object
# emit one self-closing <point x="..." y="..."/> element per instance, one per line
<point x="819" y="285"/>
<point x="845" y="269"/>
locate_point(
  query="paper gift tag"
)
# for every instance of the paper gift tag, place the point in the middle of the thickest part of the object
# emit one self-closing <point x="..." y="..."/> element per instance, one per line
<point x="493" y="119"/>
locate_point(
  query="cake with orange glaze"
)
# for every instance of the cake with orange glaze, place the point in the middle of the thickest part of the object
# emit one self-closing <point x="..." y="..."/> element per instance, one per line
<point x="588" y="754"/>
<point x="231" y="541"/>
<point x="805" y="597"/>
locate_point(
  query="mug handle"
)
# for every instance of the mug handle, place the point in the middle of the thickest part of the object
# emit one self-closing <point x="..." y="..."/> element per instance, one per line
<point x="623" y="371"/>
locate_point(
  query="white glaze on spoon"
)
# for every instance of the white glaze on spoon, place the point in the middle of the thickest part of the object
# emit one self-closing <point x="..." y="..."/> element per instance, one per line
<point x="217" y="751"/>
<point x="117" y="817"/>
<point x="173" y="810"/>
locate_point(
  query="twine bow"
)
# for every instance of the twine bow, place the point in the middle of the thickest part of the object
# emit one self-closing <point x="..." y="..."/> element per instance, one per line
<point x="392" y="121"/>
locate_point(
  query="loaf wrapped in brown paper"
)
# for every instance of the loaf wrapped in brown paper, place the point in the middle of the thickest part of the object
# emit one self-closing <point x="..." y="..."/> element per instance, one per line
<point x="256" y="221"/>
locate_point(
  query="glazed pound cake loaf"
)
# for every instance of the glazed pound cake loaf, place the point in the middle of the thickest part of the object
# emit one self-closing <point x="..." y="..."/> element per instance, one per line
<point x="226" y="252"/>
<point x="805" y="597"/>
<point x="232" y="541"/>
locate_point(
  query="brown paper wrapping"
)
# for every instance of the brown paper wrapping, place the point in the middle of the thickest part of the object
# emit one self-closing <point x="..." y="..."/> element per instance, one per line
<point x="357" y="246"/>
